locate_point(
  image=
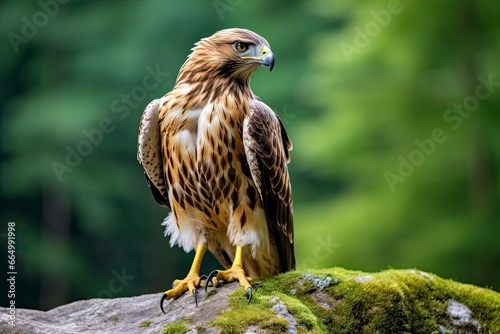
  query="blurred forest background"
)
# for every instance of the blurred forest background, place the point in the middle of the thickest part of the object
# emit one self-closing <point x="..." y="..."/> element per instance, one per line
<point x="392" y="106"/>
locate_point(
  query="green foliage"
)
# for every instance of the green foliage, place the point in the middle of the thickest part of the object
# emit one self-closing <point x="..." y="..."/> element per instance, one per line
<point x="178" y="327"/>
<point x="382" y="105"/>
<point x="355" y="108"/>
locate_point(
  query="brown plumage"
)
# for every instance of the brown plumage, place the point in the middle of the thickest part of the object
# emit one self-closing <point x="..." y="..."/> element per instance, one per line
<point x="217" y="157"/>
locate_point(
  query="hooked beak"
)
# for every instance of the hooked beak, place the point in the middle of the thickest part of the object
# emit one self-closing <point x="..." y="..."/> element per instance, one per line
<point x="267" y="58"/>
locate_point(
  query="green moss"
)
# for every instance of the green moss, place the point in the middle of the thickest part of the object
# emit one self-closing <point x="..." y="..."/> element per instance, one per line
<point x="210" y="293"/>
<point x="307" y="321"/>
<point x="243" y="315"/>
<point x="178" y="327"/>
<point x="115" y="317"/>
<point x="145" y="323"/>
<point x="341" y="301"/>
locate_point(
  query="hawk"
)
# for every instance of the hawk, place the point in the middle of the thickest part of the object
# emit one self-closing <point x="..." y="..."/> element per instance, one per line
<point x="217" y="156"/>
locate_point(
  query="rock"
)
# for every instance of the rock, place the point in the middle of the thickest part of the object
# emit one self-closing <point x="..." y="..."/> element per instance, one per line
<point x="318" y="301"/>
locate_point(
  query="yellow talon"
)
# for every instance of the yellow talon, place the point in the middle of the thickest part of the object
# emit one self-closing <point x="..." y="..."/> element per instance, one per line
<point x="235" y="273"/>
<point x="190" y="283"/>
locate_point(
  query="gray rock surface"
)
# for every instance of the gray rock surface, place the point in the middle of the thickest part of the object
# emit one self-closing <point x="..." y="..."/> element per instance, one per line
<point x="139" y="314"/>
<point x="331" y="300"/>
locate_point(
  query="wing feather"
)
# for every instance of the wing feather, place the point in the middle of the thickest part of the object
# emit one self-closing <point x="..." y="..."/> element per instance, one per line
<point x="149" y="152"/>
<point x="267" y="147"/>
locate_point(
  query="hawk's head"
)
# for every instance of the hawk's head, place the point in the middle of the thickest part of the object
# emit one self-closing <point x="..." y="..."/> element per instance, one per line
<point x="234" y="53"/>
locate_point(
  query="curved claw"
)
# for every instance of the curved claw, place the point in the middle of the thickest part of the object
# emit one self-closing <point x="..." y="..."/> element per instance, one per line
<point x="249" y="295"/>
<point x="161" y="302"/>
<point x="195" y="294"/>
<point x="203" y="278"/>
<point x="210" y="276"/>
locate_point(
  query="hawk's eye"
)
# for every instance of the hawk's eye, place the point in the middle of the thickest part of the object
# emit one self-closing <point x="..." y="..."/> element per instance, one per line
<point x="241" y="47"/>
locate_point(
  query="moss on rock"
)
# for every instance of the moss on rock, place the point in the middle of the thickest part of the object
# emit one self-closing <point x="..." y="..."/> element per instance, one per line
<point x="146" y="323"/>
<point x="341" y="301"/>
<point x="317" y="301"/>
<point x="178" y="327"/>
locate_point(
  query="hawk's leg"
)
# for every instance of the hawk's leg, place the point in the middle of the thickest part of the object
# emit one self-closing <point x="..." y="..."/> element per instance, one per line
<point x="235" y="273"/>
<point x="190" y="283"/>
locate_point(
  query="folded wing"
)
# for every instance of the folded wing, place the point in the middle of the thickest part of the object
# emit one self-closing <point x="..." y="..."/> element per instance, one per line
<point x="267" y="147"/>
<point x="149" y="152"/>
